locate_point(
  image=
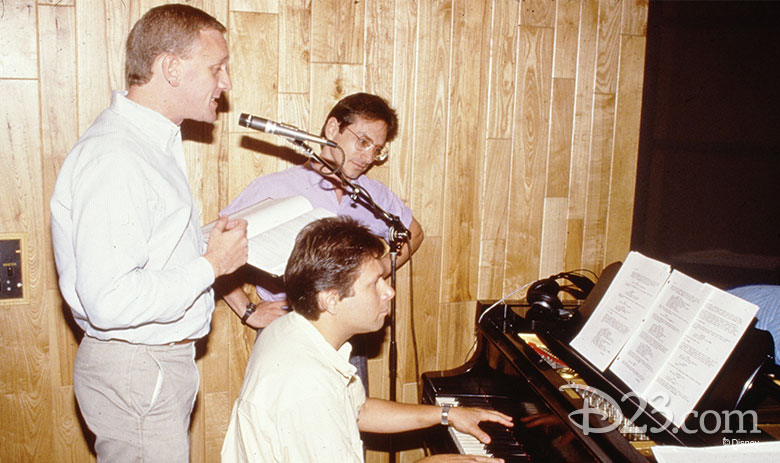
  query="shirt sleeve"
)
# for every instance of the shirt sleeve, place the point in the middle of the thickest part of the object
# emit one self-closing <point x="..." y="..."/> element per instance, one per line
<point x="113" y="229"/>
<point x="391" y="202"/>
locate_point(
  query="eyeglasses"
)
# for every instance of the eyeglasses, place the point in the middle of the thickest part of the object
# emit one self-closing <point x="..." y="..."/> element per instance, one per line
<point x="364" y="144"/>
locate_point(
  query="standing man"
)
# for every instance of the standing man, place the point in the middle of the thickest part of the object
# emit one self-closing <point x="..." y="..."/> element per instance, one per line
<point x="127" y="241"/>
<point x="362" y="125"/>
<point x="301" y="400"/>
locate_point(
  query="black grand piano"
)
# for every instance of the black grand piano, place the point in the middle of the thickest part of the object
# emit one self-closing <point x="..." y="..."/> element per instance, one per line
<point x="566" y="410"/>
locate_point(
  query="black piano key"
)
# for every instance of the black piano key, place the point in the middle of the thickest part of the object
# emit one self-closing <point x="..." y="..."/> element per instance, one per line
<point x="503" y="443"/>
<point x="517" y="459"/>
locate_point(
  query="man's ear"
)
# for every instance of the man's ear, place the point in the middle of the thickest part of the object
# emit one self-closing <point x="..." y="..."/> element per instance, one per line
<point x="329" y="300"/>
<point x="170" y="66"/>
<point x="331" y="128"/>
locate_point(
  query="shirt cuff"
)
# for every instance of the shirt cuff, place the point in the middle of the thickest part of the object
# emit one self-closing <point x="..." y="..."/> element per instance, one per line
<point x="203" y="272"/>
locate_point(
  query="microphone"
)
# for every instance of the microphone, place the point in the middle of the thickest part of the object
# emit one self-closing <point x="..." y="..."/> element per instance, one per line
<point x="277" y="128"/>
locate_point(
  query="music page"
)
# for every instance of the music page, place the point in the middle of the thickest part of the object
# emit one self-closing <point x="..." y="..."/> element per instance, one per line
<point x="272" y="226"/>
<point x="273" y="259"/>
<point x="703" y="350"/>
<point x="665" y="323"/>
<point x="619" y="312"/>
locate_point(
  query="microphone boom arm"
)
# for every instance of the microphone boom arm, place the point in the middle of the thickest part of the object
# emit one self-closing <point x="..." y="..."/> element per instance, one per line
<point x="397" y="233"/>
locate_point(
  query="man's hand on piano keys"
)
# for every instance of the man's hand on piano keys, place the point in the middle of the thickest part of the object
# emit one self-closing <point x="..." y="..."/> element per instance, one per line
<point x="467" y="420"/>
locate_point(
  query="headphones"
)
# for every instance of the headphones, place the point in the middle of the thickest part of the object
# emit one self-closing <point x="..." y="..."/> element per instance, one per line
<point x="543" y="298"/>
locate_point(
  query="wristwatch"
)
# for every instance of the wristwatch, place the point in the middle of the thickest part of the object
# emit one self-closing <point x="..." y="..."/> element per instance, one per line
<point x="445" y="414"/>
<point x="250" y="309"/>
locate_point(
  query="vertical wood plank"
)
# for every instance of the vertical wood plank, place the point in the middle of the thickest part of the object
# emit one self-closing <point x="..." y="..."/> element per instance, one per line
<point x="380" y="18"/>
<point x="294" y="109"/>
<point x="102" y="27"/>
<point x="70" y="442"/>
<point x="215" y="404"/>
<point x="561" y="119"/>
<point x="502" y="75"/>
<point x="608" y="46"/>
<point x="402" y="98"/>
<point x="539" y="13"/>
<point x="567" y="21"/>
<point x="456" y="334"/>
<point x="58" y="106"/>
<point x="628" y="111"/>
<point x="634" y="17"/>
<point x="526" y="198"/>
<point x="63" y="343"/>
<point x="338" y="31"/>
<point x="254" y="48"/>
<point x="18" y="42"/>
<point x="430" y="109"/>
<point x="554" y="227"/>
<point x="425" y="305"/>
<point x="466" y="125"/>
<point x="25" y="413"/>
<point x="215" y="364"/>
<point x="599" y="169"/>
<point x="494" y="218"/>
<point x="332" y="83"/>
<point x="572" y="248"/>
<point x="582" y="134"/>
<point x="294" y="47"/>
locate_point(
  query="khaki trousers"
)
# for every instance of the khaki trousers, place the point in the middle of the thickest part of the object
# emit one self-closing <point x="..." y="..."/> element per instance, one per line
<point x="137" y="399"/>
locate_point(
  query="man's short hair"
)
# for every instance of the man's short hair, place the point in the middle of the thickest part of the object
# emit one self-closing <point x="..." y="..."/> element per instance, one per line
<point x="366" y="106"/>
<point x="173" y="28"/>
<point x="328" y="254"/>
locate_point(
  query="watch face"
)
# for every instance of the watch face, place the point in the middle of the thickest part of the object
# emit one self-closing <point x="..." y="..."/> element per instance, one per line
<point x="445" y="412"/>
<point x="250" y="309"/>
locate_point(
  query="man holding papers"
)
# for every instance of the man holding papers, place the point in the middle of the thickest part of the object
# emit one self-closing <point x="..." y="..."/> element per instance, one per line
<point x="361" y="124"/>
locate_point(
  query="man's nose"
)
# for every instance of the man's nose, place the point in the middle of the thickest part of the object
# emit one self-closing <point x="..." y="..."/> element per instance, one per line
<point x="390" y="292"/>
<point x="226" y="82"/>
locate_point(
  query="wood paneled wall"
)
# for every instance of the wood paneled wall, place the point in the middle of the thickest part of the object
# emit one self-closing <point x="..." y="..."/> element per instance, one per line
<point x="517" y="153"/>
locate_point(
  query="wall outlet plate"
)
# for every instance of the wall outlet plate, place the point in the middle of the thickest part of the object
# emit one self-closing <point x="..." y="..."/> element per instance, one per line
<point x="13" y="269"/>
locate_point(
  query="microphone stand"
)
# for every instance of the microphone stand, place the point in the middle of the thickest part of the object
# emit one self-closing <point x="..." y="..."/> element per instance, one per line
<point x="397" y="234"/>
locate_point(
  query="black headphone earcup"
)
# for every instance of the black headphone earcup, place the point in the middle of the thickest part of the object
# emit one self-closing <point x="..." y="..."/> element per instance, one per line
<point x="544" y="300"/>
<point x="543" y="294"/>
<point x="545" y="304"/>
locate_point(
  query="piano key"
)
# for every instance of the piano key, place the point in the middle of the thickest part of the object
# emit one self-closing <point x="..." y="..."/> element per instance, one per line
<point x="502" y="441"/>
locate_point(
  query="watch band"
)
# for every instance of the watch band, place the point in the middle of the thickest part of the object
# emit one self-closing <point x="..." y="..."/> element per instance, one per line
<point x="250" y="309"/>
<point x="445" y="414"/>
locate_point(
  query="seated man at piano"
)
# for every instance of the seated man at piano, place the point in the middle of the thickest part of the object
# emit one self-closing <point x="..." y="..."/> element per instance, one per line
<point x="301" y="399"/>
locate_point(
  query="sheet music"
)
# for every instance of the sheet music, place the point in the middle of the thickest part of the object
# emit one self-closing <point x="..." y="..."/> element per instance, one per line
<point x="624" y="304"/>
<point x="677" y="304"/>
<point x="701" y="353"/>
<point x="273" y="259"/>
<point x="272" y="225"/>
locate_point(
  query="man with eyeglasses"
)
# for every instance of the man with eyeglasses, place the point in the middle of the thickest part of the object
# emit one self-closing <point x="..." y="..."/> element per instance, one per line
<point x="362" y="125"/>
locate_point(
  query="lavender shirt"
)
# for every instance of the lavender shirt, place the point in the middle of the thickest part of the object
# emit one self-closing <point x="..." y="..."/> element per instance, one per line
<point x="305" y="181"/>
